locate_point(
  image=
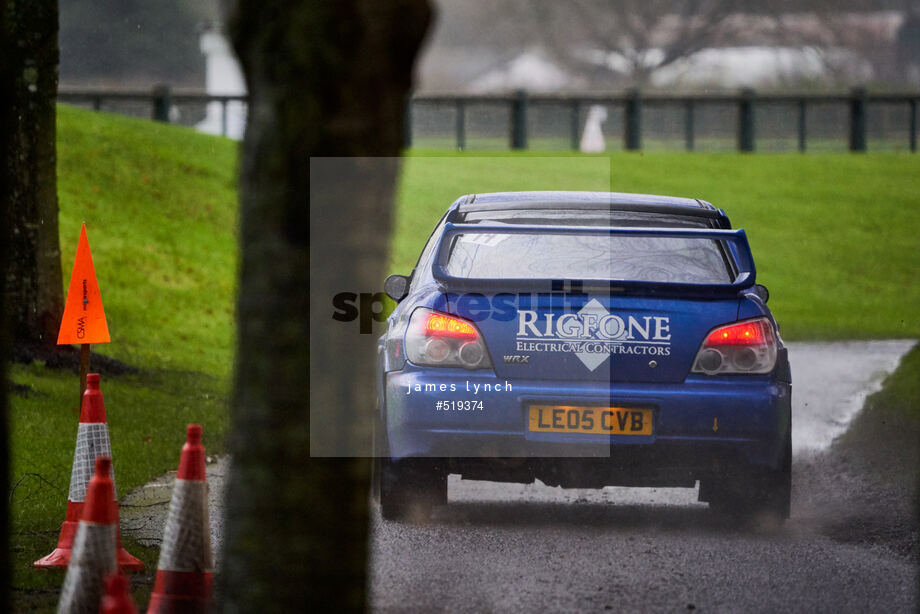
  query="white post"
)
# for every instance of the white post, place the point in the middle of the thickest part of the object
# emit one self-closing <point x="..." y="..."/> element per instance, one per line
<point x="223" y="77"/>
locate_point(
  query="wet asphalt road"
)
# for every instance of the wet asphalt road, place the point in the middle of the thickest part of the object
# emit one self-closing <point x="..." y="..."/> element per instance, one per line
<point x="521" y="549"/>
<point x="516" y="548"/>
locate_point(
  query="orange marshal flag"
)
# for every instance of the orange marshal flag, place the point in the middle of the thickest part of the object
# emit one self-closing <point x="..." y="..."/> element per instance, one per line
<point x="84" y="318"/>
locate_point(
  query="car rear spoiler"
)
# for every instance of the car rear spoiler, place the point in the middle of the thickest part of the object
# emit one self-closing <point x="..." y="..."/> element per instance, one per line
<point x="734" y="241"/>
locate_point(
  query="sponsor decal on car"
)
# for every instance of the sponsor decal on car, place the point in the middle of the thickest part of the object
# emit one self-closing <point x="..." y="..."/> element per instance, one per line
<point x="593" y="334"/>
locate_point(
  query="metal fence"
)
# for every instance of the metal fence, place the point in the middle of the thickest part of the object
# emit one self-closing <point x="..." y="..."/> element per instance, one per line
<point x="162" y="104"/>
<point x="746" y="121"/>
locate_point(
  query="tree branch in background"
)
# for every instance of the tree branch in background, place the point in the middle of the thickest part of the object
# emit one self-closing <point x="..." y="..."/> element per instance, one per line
<point x="621" y="42"/>
<point x="848" y="45"/>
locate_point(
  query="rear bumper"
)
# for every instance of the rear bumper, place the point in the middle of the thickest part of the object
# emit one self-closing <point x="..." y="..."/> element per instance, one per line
<point x="703" y="424"/>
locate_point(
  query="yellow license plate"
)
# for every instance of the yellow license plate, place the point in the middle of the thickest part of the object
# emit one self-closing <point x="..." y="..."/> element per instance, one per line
<point x="598" y="420"/>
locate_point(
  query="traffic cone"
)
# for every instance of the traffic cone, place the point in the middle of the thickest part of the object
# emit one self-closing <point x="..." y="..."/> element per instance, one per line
<point x="117" y="599"/>
<point x="94" y="545"/>
<point x="92" y="441"/>
<point x="184" y="572"/>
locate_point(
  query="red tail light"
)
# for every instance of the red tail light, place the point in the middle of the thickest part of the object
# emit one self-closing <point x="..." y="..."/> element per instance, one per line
<point x="747" y="347"/>
<point x="440" y="325"/>
<point x="744" y="333"/>
<point x="443" y="340"/>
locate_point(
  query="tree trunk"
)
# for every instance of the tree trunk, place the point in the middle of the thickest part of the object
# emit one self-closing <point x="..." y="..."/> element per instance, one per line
<point x="325" y="79"/>
<point x="31" y="299"/>
<point x="33" y="284"/>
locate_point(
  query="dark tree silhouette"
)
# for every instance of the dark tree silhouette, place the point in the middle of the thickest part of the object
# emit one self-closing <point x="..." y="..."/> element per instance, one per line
<point x="325" y="79"/>
<point x="630" y="39"/>
<point x="33" y="285"/>
<point x="30" y="260"/>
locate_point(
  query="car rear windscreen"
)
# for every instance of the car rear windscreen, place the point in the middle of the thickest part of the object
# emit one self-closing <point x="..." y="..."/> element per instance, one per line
<point x="574" y="256"/>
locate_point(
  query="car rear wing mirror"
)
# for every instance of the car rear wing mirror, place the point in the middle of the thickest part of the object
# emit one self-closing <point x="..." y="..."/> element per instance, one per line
<point x="396" y="287"/>
<point x="734" y="241"/>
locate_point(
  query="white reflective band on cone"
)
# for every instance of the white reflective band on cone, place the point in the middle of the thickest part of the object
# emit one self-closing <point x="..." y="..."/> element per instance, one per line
<point x="92" y="441"/>
<point x="187" y="539"/>
<point x="93" y="559"/>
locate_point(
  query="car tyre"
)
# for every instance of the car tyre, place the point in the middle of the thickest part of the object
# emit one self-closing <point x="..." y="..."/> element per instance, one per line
<point x="410" y="488"/>
<point x="755" y="494"/>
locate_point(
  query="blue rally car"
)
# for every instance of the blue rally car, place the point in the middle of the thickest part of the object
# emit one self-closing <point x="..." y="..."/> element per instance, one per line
<point x="584" y="339"/>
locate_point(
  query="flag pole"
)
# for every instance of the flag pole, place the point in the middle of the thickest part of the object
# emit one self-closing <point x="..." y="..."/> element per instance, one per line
<point x="84" y="369"/>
